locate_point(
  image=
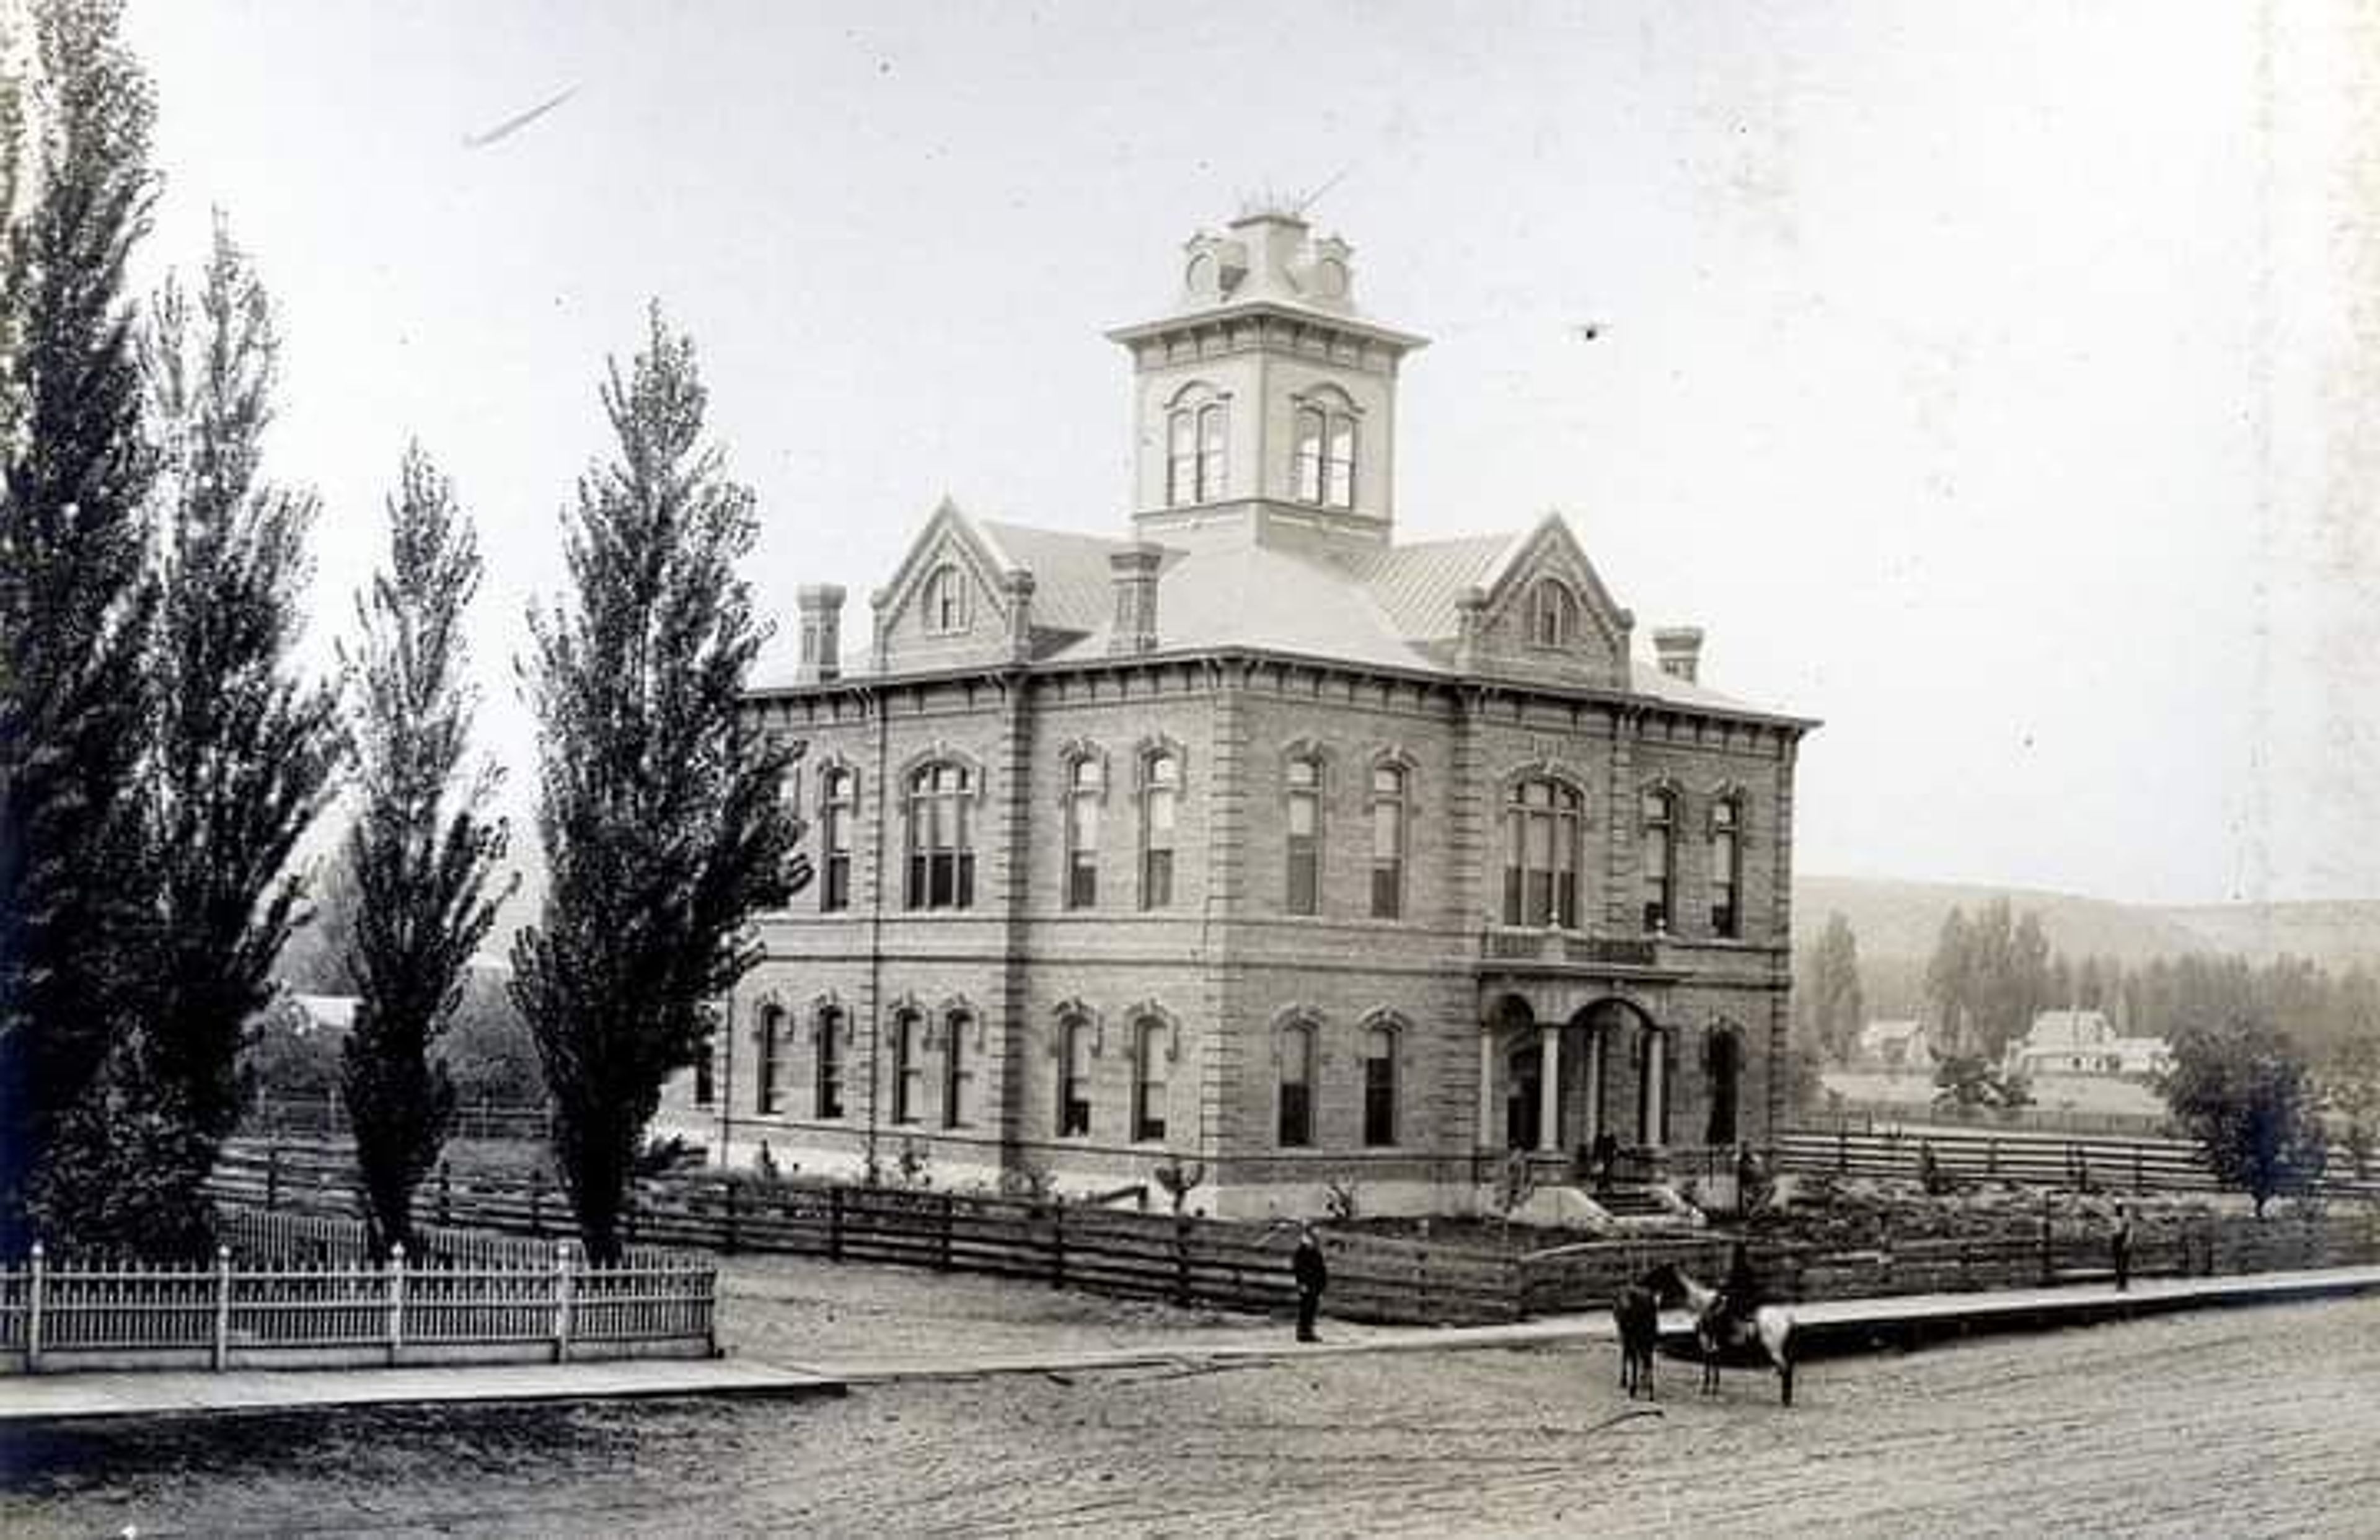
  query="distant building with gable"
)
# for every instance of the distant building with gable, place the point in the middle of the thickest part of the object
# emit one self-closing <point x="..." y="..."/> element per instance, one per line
<point x="2076" y="1042"/>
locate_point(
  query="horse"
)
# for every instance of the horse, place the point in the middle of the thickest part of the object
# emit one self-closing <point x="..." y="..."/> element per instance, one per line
<point x="1769" y="1333"/>
<point x="1637" y="1312"/>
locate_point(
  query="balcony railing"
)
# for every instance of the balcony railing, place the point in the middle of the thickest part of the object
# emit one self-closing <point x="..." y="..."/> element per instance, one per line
<point x="1504" y="943"/>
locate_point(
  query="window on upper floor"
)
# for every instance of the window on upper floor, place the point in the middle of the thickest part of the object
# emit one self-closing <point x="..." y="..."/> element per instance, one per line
<point x="1391" y="814"/>
<point x="1303" y="819"/>
<point x="1727" y="866"/>
<point x="1661" y="848"/>
<point x="1197" y="455"/>
<point x="1339" y="464"/>
<point x="1074" y="1078"/>
<point x="942" y="839"/>
<point x="1553" y="614"/>
<point x="1214" y="434"/>
<point x="828" y="1062"/>
<point x="1152" y="1049"/>
<point x="1160" y="804"/>
<point x="1086" y="790"/>
<point x="1380" y="1086"/>
<point x="945" y="600"/>
<point x="1294" y="1128"/>
<point x="1541" y="858"/>
<point x="1181" y="459"/>
<point x="1322" y="468"/>
<point x="838" y="804"/>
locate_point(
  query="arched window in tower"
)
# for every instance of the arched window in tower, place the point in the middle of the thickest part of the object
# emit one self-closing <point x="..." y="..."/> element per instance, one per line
<point x="1160" y="801"/>
<point x="1295" y="1129"/>
<point x="1727" y="866"/>
<point x="1553" y="614"/>
<point x="1541" y="824"/>
<point x="1389" y="815"/>
<point x="1181" y="459"/>
<point x="1214" y="433"/>
<point x="1152" y="1048"/>
<point x="1661" y="846"/>
<point x="1339" y="464"/>
<point x="1304" y="790"/>
<point x="1307" y="466"/>
<point x="838" y="803"/>
<point x="945" y="599"/>
<point x="1087" y="791"/>
<point x="942" y="843"/>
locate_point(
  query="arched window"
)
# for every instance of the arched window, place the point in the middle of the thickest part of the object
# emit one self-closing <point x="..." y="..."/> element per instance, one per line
<point x="1541" y="823"/>
<point x="1088" y="789"/>
<point x="1074" y="1078"/>
<point x="1339" y="464"/>
<point x="1297" y="1124"/>
<point x="945" y="600"/>
<point x="1302" y="789"/>
<point x="828" y="1062"/>
<point x="1214" y="430"/>
<point x="1724" y="1065"/>
<point x="1727" y="866"/>
<point x="838" y="803"/>
<point x="1380" y="1086"/>
<point x="1181" y="459"/>
<point x="1160" y="801"/>
<point x="941" y="843"/>
<point x="958" y="1073"/>
<point x="909" y="1071"/>
<point x="1389" y="815"/>
<point x="1660" y="823"/>
<point x="766" y="1036"/>
<point x="1152" y="1046"/>
<point x="1553" y="614"/>
<point x="1307" y="466"/>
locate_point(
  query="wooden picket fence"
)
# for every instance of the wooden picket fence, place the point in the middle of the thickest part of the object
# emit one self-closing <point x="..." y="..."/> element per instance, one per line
<point x="2032" y="1159"/>
<point x="228" y="1316"/>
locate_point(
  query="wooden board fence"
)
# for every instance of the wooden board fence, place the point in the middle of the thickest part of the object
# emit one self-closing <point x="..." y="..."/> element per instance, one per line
<point x="2039" y="1159"/>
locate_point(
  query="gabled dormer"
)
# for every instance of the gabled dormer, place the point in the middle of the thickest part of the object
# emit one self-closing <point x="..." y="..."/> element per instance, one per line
<point x="1543" y="611"/>
<point x="956" y="598"/>
<point x="1264" y="406"/>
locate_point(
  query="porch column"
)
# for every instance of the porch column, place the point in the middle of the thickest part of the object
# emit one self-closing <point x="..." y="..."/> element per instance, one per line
<point x="1594" y="1084"/>
<point x="1487" y="1135"/>
<point x="1549" y="1087"/>
<point x="1657" y="1089"/>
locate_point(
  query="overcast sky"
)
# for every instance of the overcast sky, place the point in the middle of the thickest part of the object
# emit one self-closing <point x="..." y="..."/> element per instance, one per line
<point x="1999" y="383"/>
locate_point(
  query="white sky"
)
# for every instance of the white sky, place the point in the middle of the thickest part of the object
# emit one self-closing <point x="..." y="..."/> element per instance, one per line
<point x="1996" y="382"/>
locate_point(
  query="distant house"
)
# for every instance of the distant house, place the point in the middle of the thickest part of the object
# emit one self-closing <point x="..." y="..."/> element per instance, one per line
<point x="1893" y="1044"/>
<point x="2085" y="1043"/>
<point x="321" y="1013"/>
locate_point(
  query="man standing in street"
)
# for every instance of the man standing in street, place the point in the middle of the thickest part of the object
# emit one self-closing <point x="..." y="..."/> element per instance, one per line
<point x="1311" y="1273"/>
<point x="2123" y="1247"/>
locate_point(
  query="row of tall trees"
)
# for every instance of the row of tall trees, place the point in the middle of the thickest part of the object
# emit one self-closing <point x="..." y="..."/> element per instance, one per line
<point x="162" y="758"/>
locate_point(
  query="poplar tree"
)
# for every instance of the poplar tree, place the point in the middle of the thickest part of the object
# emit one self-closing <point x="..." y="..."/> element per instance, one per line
<point x="421" y="853"/>
<point x="659" y="807"/>
<point x="76" y="600"/>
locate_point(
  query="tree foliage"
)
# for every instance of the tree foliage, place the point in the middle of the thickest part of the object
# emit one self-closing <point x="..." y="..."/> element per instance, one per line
<point x="659" y="808"/>
<point x="2243" y="1091"/>
<point x="76" y="605"/>
<point x="1989" y="977"/>
<point x="421" y="850"/>
<point x="1832" y="1002"/>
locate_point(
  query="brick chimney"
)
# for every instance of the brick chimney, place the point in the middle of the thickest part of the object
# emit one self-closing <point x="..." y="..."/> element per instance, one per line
<point x="1135" y="569"/>
<point x="820" y="607"/>
<point x="1680" y="649"/>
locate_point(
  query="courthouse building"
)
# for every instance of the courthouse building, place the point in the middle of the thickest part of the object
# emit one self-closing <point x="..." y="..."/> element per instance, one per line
<point x="1251" y="837"/>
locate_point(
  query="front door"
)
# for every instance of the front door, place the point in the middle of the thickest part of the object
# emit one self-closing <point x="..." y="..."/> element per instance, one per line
<point x="1525" y="1074"/>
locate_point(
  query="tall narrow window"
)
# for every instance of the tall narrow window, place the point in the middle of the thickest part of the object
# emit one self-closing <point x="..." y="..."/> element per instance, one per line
<point x="1727" y="868"/>
<point x="1553" y="614"/>
<point x="941" y="845"/>
<point x="945" y="600"/>
<point x="1541" y="819"/>
<point x="1180" y="460"/>
<point x="1338" y="466"/>
<point x="1305" y="825"/>
<point x="1296" y="1130"/>
<point x="829" y="1063"/>
<point x="1214" y="427"/>
<point x="908" y="1072"/>
<point x="1311" y="425"/>
<point x="839" y="790"/>
<point x="706" y="1085"/>
<point x="1160" y="801"/>
<point x="1389" y="814"/>
<point x="1083" y="801"/>
<point x="766" y="1036"/>
<point x="1074" y="1078"/>
<point x="958" y="1073"/>
<point x="1660" y="858"/>
<point x="1380" y="1086"/>
<point x="1152" y="1046"/>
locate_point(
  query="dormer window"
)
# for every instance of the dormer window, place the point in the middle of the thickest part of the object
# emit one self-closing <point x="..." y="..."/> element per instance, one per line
<point x="1553" y="615"/>
<point x="1324" y="469"/>
<point x="1197" y="464"/>
<point x="945" y="600"/>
